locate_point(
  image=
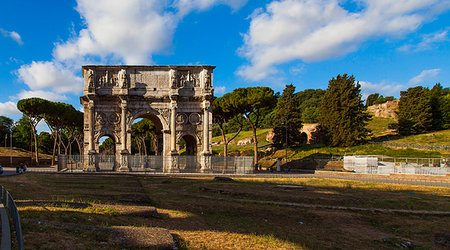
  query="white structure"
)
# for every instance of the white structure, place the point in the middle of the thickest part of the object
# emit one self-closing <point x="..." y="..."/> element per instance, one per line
<point x="177" y="99"/>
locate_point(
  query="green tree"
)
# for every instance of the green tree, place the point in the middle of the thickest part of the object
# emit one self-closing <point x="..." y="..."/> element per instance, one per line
<point x="22" y="133"/>
<point x="6" y="125"/>
<point x="343" y="116"/>
<point x="371" y="99"/>
<point x="250" y="103"/>
<point x="57" y="116"/>
<point x="45" y="143"/>
<point x="143" y="132"/>
<point x="221" y="117"/>
<point x="107" y="147"/>
<point x="287" y="119"/>
<point x="415" y="114"/>
<point x="34" y="108"/>
<point x="309" y="101"/>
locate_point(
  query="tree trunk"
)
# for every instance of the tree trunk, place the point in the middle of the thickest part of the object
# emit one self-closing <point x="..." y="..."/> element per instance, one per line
<point x="145" y="147"/>
<point x="255" y="143"/>
<point x="35" y="142"/>
<point x="54" y="148"/>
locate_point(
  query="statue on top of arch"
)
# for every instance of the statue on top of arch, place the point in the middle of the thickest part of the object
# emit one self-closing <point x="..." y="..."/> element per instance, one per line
<point x="122" y="77"/>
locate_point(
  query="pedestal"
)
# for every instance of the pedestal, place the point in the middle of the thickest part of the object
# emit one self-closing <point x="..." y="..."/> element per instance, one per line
<point x="124" y="166"/>
<point x="92" y="159"/>
<point x="205" y="162"/>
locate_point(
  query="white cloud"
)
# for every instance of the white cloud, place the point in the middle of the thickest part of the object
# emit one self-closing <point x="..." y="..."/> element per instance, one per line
<point x="9" y="109"/>
<point x="425" y="75"/>
<point x="314" y="30"/>
<point x="50" y="75"/>
<point x="384" y="88"/>
<point x="13" y="35"/>
<point x="130" y="30"/>
<point x="51" y="96"/>
<point x="186" y="6"/>
<point x="219" y="90"/>
<point x="116" y="32"/>
<point x="428" y="41"/>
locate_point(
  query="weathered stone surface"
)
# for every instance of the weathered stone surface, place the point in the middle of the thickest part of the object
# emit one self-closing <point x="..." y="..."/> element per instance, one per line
<point x="385" y="110"/>
<point x="177" y="99"/>
<point x="245" y="141"/>
<point x="312" y="132"/>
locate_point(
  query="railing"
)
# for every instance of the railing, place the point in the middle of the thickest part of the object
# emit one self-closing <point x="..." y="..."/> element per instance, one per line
<point x="10" y="206"/>
<point x="378" y="164"/>
<point x="159" y="164"/>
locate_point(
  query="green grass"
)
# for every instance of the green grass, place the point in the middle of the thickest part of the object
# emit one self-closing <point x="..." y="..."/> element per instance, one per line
<point x="437" y="138"/>
<point x="205" y="214"/>
<point x="379" y="126"/>
<point x="260" y="135"/>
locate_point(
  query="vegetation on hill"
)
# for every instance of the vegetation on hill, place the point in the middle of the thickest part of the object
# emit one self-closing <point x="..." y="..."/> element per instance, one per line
<point x="342" y="114"/>
<point x="376" y="98"/>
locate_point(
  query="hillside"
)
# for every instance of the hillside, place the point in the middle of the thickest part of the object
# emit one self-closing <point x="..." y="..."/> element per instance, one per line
<point x="18" y="152"/>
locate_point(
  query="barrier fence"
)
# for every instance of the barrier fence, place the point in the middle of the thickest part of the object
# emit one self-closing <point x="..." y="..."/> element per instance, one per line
<point x="10" y="206"/>
<point x="378" y="164"/>
<point x="159" y="164"/>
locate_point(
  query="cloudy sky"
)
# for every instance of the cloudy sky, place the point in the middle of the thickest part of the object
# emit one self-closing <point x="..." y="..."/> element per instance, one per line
<point x="388" y="45"/>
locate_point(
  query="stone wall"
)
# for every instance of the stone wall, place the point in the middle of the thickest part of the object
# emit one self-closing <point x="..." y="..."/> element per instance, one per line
<point x="16" y="160"/>
<point x="385" y="110"/>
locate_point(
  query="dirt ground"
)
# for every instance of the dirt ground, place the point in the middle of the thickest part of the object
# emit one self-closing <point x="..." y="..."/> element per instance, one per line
<point x="115" y="212"/>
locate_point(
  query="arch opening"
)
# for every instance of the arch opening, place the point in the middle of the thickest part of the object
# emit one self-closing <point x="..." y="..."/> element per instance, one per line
<point x="147" y="136"/>
<point x="188" y="145"/>
<point x="106" y="147"/>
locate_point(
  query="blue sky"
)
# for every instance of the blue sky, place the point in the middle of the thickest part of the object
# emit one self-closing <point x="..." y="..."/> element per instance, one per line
<point x="388" y="45"/>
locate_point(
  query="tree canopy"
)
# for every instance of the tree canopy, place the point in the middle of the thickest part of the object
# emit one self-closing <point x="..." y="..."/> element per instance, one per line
<point x="288" y="122"/>
<point x="249" y="103"/>
<point x="343" y="116"/>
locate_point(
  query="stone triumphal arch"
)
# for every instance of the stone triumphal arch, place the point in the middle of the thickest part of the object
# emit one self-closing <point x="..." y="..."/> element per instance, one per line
<point x="176" y="98"/>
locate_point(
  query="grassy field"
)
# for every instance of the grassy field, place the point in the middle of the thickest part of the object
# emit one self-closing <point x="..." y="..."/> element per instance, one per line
<point x="20" y="152"/>
<point x="379" y="126"/>
<point x="205" y="214"/>
<point x="438" y="138"/>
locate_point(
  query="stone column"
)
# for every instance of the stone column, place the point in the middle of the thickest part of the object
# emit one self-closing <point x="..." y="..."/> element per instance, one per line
<point x="123" y="138"/>
<point x="91" y="126"/>
<point x="123" y="127"/>
<point x="206" y="114"/>
<point x="173" y="124"/>
<point x="91" y="161"/>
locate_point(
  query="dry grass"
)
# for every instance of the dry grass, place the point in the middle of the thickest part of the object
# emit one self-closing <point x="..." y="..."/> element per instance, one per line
<point x="217" y="221"/>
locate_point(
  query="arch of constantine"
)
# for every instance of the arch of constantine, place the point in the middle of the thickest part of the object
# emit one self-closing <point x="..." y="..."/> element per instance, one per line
<point x="177" y="99"/>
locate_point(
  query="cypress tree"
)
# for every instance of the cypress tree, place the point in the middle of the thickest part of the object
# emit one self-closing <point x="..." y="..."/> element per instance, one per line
<point x="287" y="117"/>
<point x="343" y="116"/>
<point x="415" y="112"/>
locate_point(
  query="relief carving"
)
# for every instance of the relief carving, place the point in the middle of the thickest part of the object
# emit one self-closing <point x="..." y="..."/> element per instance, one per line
<point x="114" y="118"/>
<point x="195" y="118"/>
<point x="181" y="118"/>
<point x="185" y="78"/>
<point x="99" y="118"/>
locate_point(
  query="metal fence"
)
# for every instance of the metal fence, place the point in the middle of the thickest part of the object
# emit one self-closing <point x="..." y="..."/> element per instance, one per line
<point x="378" y="164"/>
<point x="10" y="205"/>
<point x="160" y="164"/>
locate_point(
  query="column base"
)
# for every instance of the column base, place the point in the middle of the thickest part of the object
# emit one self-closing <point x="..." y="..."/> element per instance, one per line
<point x="90" y="169"/>
<point x="124" y="169"/>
